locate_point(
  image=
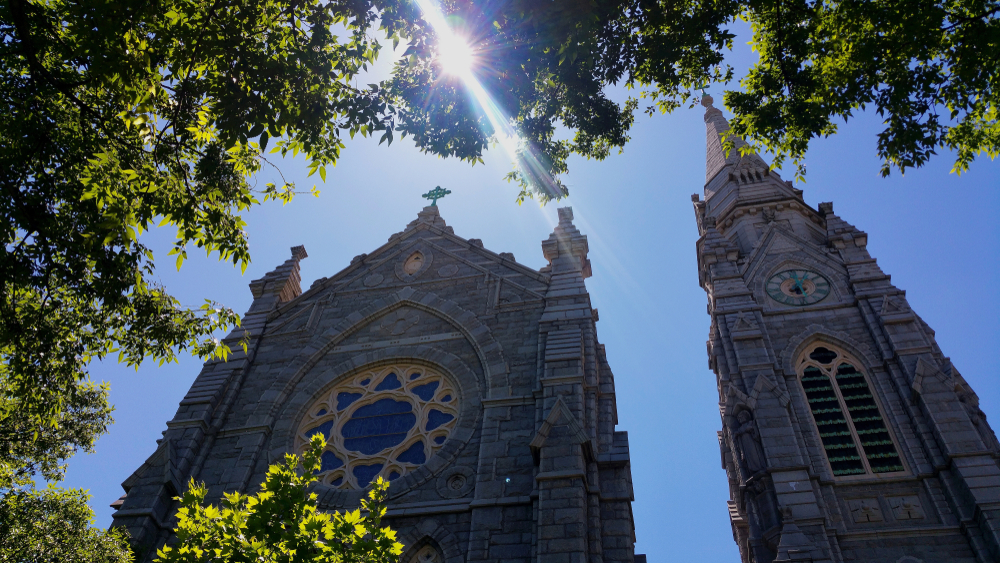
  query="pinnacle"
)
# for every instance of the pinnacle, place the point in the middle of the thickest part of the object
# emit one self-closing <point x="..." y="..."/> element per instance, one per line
<point x="430" y="215"/>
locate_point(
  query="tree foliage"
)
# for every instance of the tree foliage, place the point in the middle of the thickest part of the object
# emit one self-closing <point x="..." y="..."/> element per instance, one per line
<point x="52" y="524"/>
<point x="927" y="67"/>
<point x="121" y="115"/>
<point x="282" y="522"/>
<point x="547" y="66"/>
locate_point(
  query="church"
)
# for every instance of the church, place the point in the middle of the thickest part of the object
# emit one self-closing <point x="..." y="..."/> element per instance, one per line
<point x="479" y="388"/>
<point x="476" y="385"/>
<point x="847" y="434"/>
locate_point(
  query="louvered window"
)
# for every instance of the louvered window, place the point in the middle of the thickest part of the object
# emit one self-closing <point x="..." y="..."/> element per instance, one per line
<point x="854" y="433"/>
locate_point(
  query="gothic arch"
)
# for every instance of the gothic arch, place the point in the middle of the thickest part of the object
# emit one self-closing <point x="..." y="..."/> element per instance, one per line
<point x="470" y="413"/>
<point x="476" y="333"/>
<point x="815" y="333"/>
<point x="431" y="531"/>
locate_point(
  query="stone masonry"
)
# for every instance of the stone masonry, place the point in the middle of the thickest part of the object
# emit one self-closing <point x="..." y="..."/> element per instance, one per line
<point x="941" y="502"/>
<point x="533" y="470"/>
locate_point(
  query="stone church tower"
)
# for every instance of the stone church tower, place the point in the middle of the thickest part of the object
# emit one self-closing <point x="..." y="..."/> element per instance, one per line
<point x="847" y="435"/>
<point x="475" y="384"/>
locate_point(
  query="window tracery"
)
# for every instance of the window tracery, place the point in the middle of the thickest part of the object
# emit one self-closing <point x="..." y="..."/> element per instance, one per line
<point x="427" y="554"/>
<point x="851" y="426"/>
<point x="383" y="422"/>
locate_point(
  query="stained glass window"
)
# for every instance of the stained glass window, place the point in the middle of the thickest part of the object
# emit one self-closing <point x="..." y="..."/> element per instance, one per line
<point x="851" y="426"/>
<point x="384" y="422"/>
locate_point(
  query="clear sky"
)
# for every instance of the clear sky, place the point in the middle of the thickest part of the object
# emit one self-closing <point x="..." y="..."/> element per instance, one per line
<point x="936" y="234"/>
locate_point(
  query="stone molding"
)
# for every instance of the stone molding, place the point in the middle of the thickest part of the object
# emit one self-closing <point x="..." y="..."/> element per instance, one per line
<point x="427" y="531"/>
<point x="774" y="264"/>
<point x="736" y="398"/>
<point x="476" y="333"/>
<point x="404" y="255"/>
<point x="813" y="333"/>
<point x="470" y="412"/>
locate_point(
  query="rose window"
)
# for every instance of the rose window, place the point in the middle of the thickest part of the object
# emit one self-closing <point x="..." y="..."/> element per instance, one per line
<point x="384" y="422"/>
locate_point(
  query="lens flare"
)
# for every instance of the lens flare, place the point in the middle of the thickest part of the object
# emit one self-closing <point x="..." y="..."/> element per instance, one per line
<point x="455" y="56"/>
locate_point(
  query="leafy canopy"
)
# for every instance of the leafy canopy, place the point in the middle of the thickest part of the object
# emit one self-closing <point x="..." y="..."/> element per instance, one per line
<point x="282" y="522"/>
<point x="927" y="67"/>
<point x="116" y="116"/>
<point x="53" y="524"/>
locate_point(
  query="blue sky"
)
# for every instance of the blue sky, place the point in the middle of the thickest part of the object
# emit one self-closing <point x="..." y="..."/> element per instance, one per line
<point x="934" y="232"/>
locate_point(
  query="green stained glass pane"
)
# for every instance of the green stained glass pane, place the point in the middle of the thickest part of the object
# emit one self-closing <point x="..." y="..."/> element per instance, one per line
<point x="838" y="442"/>
<point x="878" y="446"/>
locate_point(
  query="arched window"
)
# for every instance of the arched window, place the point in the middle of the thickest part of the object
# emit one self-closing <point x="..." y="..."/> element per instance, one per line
<point x="427" y="554"/>
<point x="851" y="426"/>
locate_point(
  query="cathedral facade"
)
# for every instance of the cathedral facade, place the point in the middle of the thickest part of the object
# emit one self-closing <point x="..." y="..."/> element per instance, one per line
<point x="847" y="434"/>
<point x="474" y="384"/>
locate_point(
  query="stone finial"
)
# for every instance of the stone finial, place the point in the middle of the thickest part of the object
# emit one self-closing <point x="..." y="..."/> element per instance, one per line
<point x="430" y="215"/>
<point x="565" y="214"/>
<point x="707" y="101"/>
<point x="566" y="249"/>
<point x="283" y="281"/>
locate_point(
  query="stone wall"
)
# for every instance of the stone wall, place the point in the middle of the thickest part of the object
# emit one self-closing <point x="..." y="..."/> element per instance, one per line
<point x="533" y="469"/>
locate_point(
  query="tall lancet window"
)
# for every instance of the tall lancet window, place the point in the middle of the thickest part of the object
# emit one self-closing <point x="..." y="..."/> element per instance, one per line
<point x="851" y="425"/>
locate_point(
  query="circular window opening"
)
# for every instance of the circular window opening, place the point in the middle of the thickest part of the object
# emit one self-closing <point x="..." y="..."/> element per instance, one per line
<point x="413" y="263"/>
<point x="384" y="422"/>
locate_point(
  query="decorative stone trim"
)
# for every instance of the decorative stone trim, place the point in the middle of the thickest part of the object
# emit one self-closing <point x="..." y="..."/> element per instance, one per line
<point x="470" y="411"/>
<point x="404" y="256"/>
<point x="431" y="532"/>
<point x="814" y="332"/>
<point x="736" y="398"/>
<point x="774" y="264"/>
<point x="456" y="482"/>
<point x="490" y="353"/>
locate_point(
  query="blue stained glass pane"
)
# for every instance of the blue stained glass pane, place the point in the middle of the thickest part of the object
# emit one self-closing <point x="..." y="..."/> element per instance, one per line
<point x="415" y="375"/>
<point x="439" y="440"/>
<point x="365" y="473"/>
<point x="426" y="391"/>
<point x="446" y="398"/>
<point x="337" y="482"/>
<point x="329" y="462"/>
<point x="377" y="426"/>
<point x="393" y="476"/>
<point x="414" y="454"/>
<point x="390" y="382"/>
<point x="321" y="412"/>
<point x="345" y="399"/>
<point x="323" y="429"/>
<point x="436" y="418"/>
<point x="383" y="407"/>
<point x="366" y="382"/>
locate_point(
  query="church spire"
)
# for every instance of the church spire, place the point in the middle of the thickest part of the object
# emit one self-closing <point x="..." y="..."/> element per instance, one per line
<point x="715" y="155"/>
<point x="736" y="177"/>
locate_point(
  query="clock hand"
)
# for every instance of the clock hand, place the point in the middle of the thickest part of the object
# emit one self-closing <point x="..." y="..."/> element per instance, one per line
<point x="798" y="283"/>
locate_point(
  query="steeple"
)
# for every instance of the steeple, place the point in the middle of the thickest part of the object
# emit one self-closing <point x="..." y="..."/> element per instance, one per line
<point x="736" y="178"/>
<point x="840" y="421"/>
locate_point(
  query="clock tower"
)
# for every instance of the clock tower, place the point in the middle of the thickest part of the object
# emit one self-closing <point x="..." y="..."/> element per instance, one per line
<point x="847" y="434"/>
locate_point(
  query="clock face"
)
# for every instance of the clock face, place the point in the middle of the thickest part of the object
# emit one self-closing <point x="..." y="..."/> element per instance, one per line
<point x="798" y="287"/>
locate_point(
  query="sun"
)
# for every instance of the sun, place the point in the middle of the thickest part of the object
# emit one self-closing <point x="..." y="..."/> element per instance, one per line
<point x="455" y="56"/>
